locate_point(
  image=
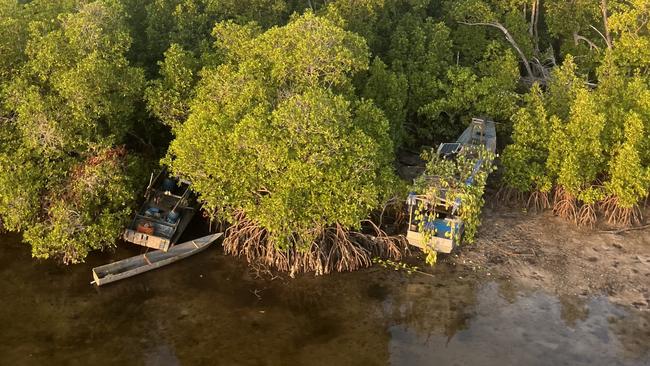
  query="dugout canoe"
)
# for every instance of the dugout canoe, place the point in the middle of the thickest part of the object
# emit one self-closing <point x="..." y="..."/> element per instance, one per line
<point x="130" y="267"/>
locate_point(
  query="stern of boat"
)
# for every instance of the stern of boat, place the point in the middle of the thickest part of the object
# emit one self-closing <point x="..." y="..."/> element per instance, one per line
<point x="146" y="240"/>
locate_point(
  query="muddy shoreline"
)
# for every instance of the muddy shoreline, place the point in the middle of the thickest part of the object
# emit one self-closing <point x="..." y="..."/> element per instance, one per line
<point x="541" y="251"/>
<point x="538" y="251"/>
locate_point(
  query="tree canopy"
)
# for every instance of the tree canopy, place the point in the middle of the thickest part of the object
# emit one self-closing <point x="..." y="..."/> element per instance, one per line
<point x="277" y="133"/>
<point x="288" y="115"/>
<point x="65" y="179"/>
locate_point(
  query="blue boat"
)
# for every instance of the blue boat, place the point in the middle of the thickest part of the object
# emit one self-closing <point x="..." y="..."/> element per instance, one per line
<point x="443" y="230"/>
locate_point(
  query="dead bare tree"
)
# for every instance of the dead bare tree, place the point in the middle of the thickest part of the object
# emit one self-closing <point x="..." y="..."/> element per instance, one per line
<point x="511" y="40"/>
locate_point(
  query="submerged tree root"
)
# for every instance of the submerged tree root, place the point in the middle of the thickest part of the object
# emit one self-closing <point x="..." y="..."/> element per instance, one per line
<point x="335" y="250"/>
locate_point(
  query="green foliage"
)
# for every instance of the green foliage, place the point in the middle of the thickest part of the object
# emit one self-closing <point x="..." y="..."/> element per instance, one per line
<point x="68" y="103"/>
<point x="591" y="143"/>
<point x="629" y="24"/>
<point x="580" y="155"/>
<point x="389" y="92"/>
<point x="629" y="180"/>
<point x="76" y="89"/>
<point x="562" y="88"/>
<point x="524" y="160"/>
<point x="168" y="97"/>
<point x="22" y="177"/>
<point x="443" y="183"/>
<point x="490" y="90"/>
<point x="361" y="17"/>
<point x="276" y="133"/>
<point x="281" y="116"/>
<point x="421" y="50"/>
<point x="89" y="210"/>
<point x="188" y="23"/>
<point x="13" y="36"/>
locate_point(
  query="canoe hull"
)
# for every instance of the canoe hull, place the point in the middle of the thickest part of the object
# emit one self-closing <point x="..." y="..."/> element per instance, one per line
<point x="130" y="267"/>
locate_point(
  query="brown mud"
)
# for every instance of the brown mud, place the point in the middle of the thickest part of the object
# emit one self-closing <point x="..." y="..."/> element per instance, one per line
<point x="541" y="251"/>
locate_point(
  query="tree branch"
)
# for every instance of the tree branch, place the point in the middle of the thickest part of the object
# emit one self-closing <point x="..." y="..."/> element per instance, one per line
<point x="510" y="39"/>
<point x="577" y="38"/>
<point x="602" y="35"/>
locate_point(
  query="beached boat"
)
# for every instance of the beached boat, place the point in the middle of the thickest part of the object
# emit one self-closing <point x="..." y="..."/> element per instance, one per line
<point x="146" y="262"/>
<point x="168" y="208"/>
<point x="446" y="230"/>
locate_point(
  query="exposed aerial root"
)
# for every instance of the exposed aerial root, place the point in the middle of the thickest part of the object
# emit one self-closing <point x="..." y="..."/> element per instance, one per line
<point x="508" y="195"/>
<point x="336" y="249"/>
<point x="622" y="216"/>
<point x="538" y="201"/>
<point x="393" y="215"/>
<point x="587" y="216"/>
<point x="565" y="205"/>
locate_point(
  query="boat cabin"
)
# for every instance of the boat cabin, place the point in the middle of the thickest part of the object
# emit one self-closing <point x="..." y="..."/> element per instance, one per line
<point x="168" y="208"/>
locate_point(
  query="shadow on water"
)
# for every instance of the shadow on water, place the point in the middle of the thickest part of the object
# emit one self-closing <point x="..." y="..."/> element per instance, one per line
<point x="209" y="310"/>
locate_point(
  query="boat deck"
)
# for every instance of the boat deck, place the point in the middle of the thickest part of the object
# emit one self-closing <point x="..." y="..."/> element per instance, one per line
<point x="168" y="209"/>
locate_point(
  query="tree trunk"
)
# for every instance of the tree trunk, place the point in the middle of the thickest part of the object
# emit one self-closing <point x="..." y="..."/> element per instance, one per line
<point x="603" y="8"/>
<point x="534" y="19"/>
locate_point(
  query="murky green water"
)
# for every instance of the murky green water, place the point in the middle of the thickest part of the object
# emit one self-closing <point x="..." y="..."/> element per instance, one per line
<point x="209" y="310"/>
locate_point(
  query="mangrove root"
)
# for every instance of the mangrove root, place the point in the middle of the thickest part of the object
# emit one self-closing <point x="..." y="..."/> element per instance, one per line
<point x="336" y="248"/>
<point x="565" y="205"/>
<point x="622" y="216"/>
<point x="538" y="201"/>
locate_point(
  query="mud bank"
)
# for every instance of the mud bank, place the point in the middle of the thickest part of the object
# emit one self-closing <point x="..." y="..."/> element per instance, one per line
<point x="541" y="251"/>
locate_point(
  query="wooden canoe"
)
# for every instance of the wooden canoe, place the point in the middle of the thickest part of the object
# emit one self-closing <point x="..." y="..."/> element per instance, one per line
<point x="130" y="267"/>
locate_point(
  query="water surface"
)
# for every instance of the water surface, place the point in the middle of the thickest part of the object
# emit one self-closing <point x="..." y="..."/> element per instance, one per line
<point x="211" y="310"/>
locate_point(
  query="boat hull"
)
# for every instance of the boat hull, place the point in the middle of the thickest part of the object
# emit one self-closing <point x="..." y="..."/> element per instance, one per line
<point x="130" y="267"/>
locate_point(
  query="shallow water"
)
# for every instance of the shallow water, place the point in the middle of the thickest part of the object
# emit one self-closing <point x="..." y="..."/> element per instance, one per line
<point x="210" y="310"/>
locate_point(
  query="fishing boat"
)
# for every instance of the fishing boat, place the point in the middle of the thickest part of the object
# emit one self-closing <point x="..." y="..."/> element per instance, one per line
<point x="168" y="208"/>
<point x="444" y="232"/>
<point x="146" y="262"/>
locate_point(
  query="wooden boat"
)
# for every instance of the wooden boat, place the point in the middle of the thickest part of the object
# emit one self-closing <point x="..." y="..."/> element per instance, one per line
<point x="146" y="262"/>
<point x="168" y="208"/>
<point x="446" y="230"/>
